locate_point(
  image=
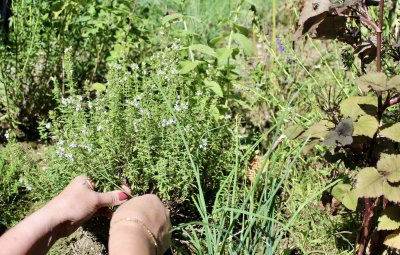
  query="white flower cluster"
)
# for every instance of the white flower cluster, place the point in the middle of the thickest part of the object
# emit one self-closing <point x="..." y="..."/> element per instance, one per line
<point x="166" y="123"/>
<point x="23" y="182"/>
<point x="179" y="106"/>
<point x="73" y="101"/>
<point x="135" y="102"/>
<point x="7" y="134"/>
<point x="61" y="151"/>
<point x="203" y="144"/>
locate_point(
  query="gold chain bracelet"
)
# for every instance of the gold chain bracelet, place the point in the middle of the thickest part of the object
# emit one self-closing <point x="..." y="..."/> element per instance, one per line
<point x="145" y="228"/>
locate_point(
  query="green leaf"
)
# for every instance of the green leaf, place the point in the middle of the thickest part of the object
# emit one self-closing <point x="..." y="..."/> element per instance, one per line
<point x="373" y="80"/>
<point x="171" y="17"/>
<point x="203" y="49"/>
<point x="222" y="55"/>
<point x="394" y="82"/>
<point x="98" y="86"/>
<point x="215" y="87"/>
<point x="188" y="66"/>
<point x="318" y="130"/>
<point x="310" y="145"/>
<point x="241" y="29"/>
<point x="293" y="132"/>
<point x="345" y="194"/>
<point x="350" y="200"/>
<point x="393" y="240"/>
<point x="366" y="126"/>
<point x="369" y="183"/>
<point x="390" y="218"/>
<point x="244" y="42"/>
<point x="391" y="192"/>
<point x="357" y="106"/>
<point x="216" y="40"/>
<point x="392" y="132"/>
<point x="389" y="166"/>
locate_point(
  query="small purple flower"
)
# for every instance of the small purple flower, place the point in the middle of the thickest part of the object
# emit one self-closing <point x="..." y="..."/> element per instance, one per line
<point x="280" y="45"/>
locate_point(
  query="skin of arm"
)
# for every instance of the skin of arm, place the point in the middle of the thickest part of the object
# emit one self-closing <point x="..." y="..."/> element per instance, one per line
<point x="130" y="237"/>
<point x="76" y="204"/>
<point x="34" y="235"/>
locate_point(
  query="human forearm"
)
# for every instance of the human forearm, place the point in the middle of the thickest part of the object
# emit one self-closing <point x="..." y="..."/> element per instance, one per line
<point x="34" y="235"/>
<point x="129" y="238"/>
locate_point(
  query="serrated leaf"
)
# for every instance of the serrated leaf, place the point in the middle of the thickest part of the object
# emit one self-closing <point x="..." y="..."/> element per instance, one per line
<point x="244" y="42"/>
<point x="318" y="130"/>
<point x="171" y="17"/>
<point x="394" y="82"/>
<point x="369" y="183"/>
<point x="366" y="126"/>
<point x="392" y="132"/>
<point x="203" y="49"/>
<point x="390" y="218"/>
<point x="188" y="66"/>
<point x="373" y="80"/>
<point x="342" y="135"/>
<point x="391" y="191"/>
<point x="357" y="106"/>
<point x="393" y="240"/>
<point x="215" y="87"/>
<point x="345" y="194"/>
<point x="389" y="166"/>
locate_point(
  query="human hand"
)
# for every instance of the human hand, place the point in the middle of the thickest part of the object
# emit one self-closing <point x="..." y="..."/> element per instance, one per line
<point x="149" y="210"/>
<point x="78" y="202"/>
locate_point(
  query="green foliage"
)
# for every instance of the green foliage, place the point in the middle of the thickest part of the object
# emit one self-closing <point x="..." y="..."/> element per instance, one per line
<point x="127" y="133"/>
<point x="346" y="195"/>
<point x="15" y="184"/>
<point x="390" y="218"/>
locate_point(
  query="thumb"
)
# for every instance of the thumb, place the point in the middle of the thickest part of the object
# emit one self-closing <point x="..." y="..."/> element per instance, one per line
<point x="111" y="198"/>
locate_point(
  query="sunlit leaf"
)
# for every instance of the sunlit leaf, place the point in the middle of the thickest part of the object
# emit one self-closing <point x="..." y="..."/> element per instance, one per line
<point x="318" y="130"/>
<point x="354" y="107"/>
<point x="215" y="87"/>
<point x="391" y="191"/>
<point x="244" y="42"/>
<point x="346" y="195"/>
<point x="292" y="132"/>
<point x="393" y="240"/>
<point x="222" y="55"/>
<point x="203" y="49"/>
<point x="366" y="126"/>
<point x="394" y="82"/>
<point x="392" y="132"/>
<point x="369" y="183"/>
<point x="390" y="218"/>
<point x="389" y="166"/>
<point x="98" y="86"/>
<point x="373" y="80"/>
<point x="188" y="66"/>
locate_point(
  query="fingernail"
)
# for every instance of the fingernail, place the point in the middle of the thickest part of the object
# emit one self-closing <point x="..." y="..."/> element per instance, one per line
<point x="122" y="196"/>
